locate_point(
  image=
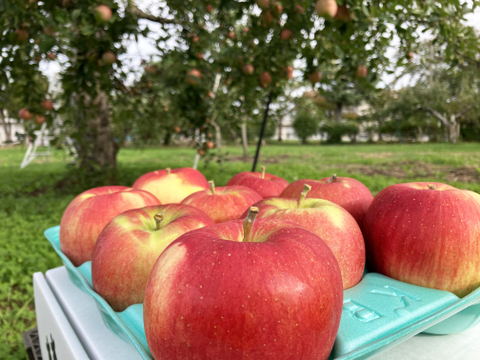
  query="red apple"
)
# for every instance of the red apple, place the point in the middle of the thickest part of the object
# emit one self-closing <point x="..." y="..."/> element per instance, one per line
<point x="87" y="215"/>
<point x="263" y="4"/>
<point x="39" y="119"/>
<point x="332" y="223"/>
<point x="315" y="77"/>
<point x="231" y="35"/>
<point x="426" y="234"/>
<point x="103" y="13"/>
<point x="266" y="17"/>
<point x="128" y="247"/>
<point x="22" y="35"/>
<point x="223" y="203"/>
<point x="108" y="57"/>
<point x="267" y="185"/>
<point x="200" y="56"/>
<point x="172" y="186"/>
<point x="193" y="77"/>
<point x="201" y="152"/>
<point x="209" y="8"/>
<point x="344" y="14"/>
<point x="177" y="129"/>
<point x="361" y="71"/>
<point x="349" y="193"/>
<point x="265" y="79"/>
<point x="248" y="69"/>
<point x="285" y="34"/>
<point x="410" y="56"/>
<point x="269" y="291"/>
<point x="287" y="72"/>
<point x="326" y="8"/>
<point x="276" y="8"/>
<point x="210" y="144"/>
<point x="47" y="105"/>
<point x="299" y="9"/>
<point x="24" y="114"/>
<point x="51" y="56"/>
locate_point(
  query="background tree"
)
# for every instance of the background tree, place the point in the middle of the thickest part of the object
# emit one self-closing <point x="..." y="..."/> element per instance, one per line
<point x="305" y="125"/>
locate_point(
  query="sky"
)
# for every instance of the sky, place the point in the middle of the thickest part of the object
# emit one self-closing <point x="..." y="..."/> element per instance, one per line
<point x="145" y="48"/>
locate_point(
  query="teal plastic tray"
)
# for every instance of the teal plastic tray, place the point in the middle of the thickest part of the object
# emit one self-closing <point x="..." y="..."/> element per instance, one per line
<point x="378" y="313"/>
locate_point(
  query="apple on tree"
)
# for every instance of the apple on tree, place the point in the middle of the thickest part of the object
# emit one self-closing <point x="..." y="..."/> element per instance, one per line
<point x="349" y="193"/>
<point x="261" y="289"/>
<point x="193" y="77"/>
<point x="103" y="13"/>
<point x="326" y="8"/>
<point x="87" y="215"/>
<point x="426" y="234"/>
<point x="24" y="114"/>
<point x="47" y="105"/>
<point x="265" y="79"/>
<point x="267" y="185"/>
<point x="172" y="186"/>
<point x="330" y="222"/>
<point x="223" y="203"/>
<point x="129" y="245"/>
<point x="248" y="69"/>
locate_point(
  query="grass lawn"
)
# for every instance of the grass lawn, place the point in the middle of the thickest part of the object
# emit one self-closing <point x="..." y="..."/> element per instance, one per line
<point x="30" y="201"/>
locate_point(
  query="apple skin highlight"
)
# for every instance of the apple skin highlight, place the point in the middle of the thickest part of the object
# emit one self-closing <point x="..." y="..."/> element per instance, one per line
<point x="213" y="296"/>
<point x="171" y="186"/>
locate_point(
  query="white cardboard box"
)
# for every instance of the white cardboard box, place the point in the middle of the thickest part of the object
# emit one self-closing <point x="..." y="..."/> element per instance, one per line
<point x="70" y="325"/>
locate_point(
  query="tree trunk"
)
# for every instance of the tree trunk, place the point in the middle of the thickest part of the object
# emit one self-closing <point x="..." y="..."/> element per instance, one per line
<point x="338" y="112"/>
<point x="420" y="134"/>
<point x="234" y="136"/>
<point x="167" y="139"/>
<point x="280" y="129"/>
<point x="218" y="133"/>
<point x="7" y="127"/>
<point x="97" y="147"/>
<point x="452" y="130"/>
<point x="244" y="140"/>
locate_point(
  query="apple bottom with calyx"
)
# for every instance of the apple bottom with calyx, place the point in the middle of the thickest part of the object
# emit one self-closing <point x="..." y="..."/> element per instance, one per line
<point x="128" y="247"/>
<point x="426" y="234"/>
<point x="227" y="291"/>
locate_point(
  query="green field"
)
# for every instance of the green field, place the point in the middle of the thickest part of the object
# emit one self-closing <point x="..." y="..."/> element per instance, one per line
<point x="33" y="199"/>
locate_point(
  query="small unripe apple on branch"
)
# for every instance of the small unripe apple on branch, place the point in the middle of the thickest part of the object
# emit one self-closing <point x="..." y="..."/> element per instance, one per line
<point x="326" y="8"/>
<point x="265" y="79"/>
<point x="103" y="13"/>
<point x="248" y="69"/>
<point x="108" y="57"/>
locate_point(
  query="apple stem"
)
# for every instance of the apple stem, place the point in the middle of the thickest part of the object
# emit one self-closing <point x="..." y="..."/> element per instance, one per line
<point x="168" y="170"/>
<point x="432" y="187"/>
<point x="263" y="172"/>
<point x="248" y="223"/>
<point x="303" y="195"/>
<point x="211" y="185"/>
<point x="158" y="219"/>
<point x="332" y="179"/>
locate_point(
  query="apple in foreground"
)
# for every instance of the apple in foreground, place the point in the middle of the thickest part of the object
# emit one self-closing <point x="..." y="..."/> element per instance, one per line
<point x="267" y="185"/>
<point x="172" y="186"/>
<point x="271" y="291"/>
<point x="349" y="193"/>
<point x="128" y="247"/>
<point x="330" y="222"/>
<point x="223" y="203"/>
<point x="426" y="234"/>
<point x="87" y="215"/>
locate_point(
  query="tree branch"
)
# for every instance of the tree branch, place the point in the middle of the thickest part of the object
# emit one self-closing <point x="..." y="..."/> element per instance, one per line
<point x="437" y="115"/>
<point x="465" y="109"/>
<point x="134" y="10"/>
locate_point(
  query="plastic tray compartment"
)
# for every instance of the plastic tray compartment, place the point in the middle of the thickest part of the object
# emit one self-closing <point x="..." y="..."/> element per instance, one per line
<point x="378" y="313"/>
